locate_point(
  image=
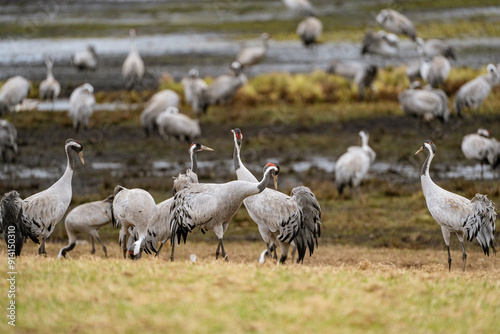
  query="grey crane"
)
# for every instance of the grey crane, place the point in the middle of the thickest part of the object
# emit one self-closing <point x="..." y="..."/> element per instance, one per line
<point x="132" y="209"/>
<point x="13" y="92"/>
<point x="210" y="206"/>
<point x="225" y="86"/>
<point x="310" y="30"/>
<point x="195" y="91"/>
<point x="49" y="88"/>
<point x="159" y="225"/>
<point x="282" y="220"/>
<point x="435" y="70"/>
<point x="478" y="146"/>
<point x="361" y="73"/>
<point x="81" y="102"/>
<point x="473" y="93"/>
<point x="435" y="47"/>
<point x="380" y="43"/>
<point x="45" y="209"/>
<point x="8" y="139"/>
<point x="172" y="124"/>
<point x="85" y="60"/>
<point x="13" y="224"/>
<point x="133" y="66"/>
<point x="456" y="214"/>
<point x="425" y="104"/>
<point x="352" y="166"/>
<point x="87" y="218"/>
<point x="252" y="55"/>
<point x="158" y="103"/>
<point x="397" y="23"/>
<point x="299" y="7"/>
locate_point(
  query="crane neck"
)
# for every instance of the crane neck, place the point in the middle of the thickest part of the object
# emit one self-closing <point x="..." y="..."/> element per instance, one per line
<point x="194" y="161"/>
<point x="70" y="155"/>
<point x="236" y="154"/>
<point x="265" y="180"/>
<point x="426" y="165"/>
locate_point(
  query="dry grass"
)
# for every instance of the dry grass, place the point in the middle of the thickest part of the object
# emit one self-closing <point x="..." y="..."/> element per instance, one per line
<point x="350" y="289"/>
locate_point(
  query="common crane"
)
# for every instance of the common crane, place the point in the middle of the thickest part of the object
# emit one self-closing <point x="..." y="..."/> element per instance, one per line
<point x="49" y="88"/>
<point x="195" y="91"/>
<point x="473" y="93"/>
<point x="87" y="218"/>
<point x="159" y="225"/>
<point x="310" y="30"/>
<point x="282" y="220"/>
<point x="456" y="214"/>
<point x="252" y="55"/>
<point x="13" y="92"/>
<point x="158" y="103"/>
<point x="82" y="102"/>
<point x="361" y="73"/>
<point x="43" y="210"/>
<point x="352" y="166"/>
<point x="133" y="66"/>
<point x="210" y="206"/>
<point x="479" y="146"/>
<point x="85" y="60"/>
<point x="397" y="23"/>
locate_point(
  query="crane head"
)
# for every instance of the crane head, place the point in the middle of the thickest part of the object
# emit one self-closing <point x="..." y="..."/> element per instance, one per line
<point x="197" y="147"/>
<point x="274" y="170"/>
<point x="429" y="146"/>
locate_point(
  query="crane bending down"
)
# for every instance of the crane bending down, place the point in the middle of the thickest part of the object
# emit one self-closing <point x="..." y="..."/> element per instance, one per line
<point x="282" y="220"/>
<point x="479" y="146"/>
<point x="456" y="214"/>
<point x="211" y="206"/>
<point x="42" y="211"/>
<point x="159" y="225"/>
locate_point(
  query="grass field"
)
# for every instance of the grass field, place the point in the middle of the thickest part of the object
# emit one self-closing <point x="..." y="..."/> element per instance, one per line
<point x="342" y="289"/>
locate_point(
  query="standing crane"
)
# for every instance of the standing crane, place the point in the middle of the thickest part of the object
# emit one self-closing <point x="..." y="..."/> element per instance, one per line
<point x="473" y="93"/>
<point x="425" y="104"/>
<point x="133" y="66"/>
<point x="352" y="166"/>
<point x="49" y="88"/>
<point x="361" y="73"/>
<point x="380" y="43"/>
<point x="159" y="225"/>
<point x="13" y="92"/>
<point x="43" y="210"/>
<point x="210" y="206"/>
<point x="479" y="146"/>
<point x="456" y="214"/>
<point x="82" y="102"/>
<point x="282" y="220"/>
<point x="310" y="30"/>
<point x="195" y="91"/>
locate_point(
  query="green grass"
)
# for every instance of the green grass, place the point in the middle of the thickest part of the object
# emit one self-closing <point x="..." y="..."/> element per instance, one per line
<point x="351" y="290"/>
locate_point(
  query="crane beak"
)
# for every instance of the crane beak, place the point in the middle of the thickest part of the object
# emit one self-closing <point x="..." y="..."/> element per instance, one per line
<point x="420" y="150"/>
<point x="275" y="179"/>
<point x="206" y="148"/>
<point x="80" y="155"/>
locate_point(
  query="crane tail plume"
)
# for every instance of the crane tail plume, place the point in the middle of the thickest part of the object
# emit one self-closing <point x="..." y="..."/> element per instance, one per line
<point x="480" y="223"/>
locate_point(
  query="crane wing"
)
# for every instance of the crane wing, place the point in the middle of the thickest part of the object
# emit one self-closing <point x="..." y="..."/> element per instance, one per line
<point x="311" y="218"/>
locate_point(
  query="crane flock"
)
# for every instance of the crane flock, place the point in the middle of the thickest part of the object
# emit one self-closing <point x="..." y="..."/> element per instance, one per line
<point x="286" y="221"/>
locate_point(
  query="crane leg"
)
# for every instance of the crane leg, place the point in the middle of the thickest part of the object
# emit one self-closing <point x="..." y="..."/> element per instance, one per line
<point x="464" y="256"/>
<point x="482" y="172"/>
<point x="93" y="246"/>
<point x="172" y="253"/>
<point x="159" y="249"/>
<point x="124" y="246"/>
<point x="449" y="258"/>
<point x="103" y="247"/>
<point x="41" y="250"/>
<point x="220" y="247"/>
